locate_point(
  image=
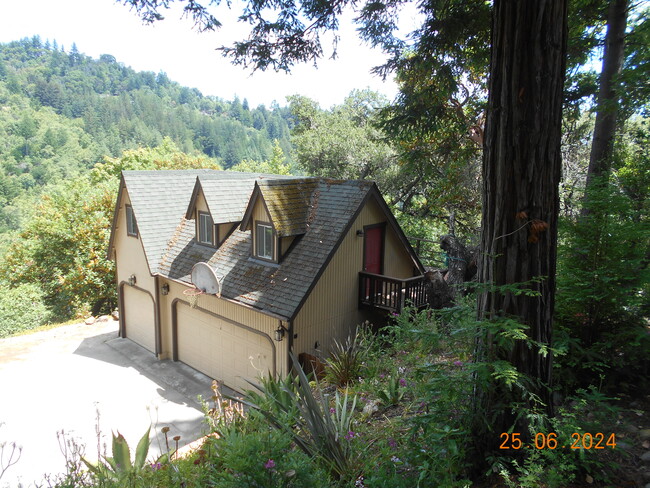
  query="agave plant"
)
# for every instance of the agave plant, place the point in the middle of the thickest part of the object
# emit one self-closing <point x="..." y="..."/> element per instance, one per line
<point x="320" y="431"/>
<point x="119" y="465"/>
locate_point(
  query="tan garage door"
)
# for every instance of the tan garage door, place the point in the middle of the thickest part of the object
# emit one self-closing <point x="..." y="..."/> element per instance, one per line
<point x="139" y="318"/>
<point x="221" y="349"/>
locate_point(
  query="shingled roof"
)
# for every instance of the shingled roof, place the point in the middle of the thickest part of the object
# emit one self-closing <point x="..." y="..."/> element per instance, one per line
<point x="317" y="211"/>
<point x="161" y="198"/>
<point x="275" y="289"/>
<point x="289" y="203"/>
<point x="226" y="193"/>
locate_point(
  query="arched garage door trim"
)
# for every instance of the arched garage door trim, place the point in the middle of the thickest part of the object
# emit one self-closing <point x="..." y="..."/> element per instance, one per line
<point x="220" y="317"/>
<point x="122" y="320"/>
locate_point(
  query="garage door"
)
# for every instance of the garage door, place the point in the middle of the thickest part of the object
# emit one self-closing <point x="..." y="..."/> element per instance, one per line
<point x="139" y="318"/>
<point x="222" y="350"/>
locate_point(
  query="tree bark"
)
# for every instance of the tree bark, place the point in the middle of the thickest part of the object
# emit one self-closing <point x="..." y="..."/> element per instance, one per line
<point x="602" y="146"/>
<point x="521" y="173"/>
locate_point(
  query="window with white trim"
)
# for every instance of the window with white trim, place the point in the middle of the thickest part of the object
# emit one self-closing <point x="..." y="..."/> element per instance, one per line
<point x="264" y="240"/>
<point x="206" y="229"/>
<point x="131" y="225"/>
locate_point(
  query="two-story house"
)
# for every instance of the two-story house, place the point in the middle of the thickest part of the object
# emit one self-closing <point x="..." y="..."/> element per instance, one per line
<point x="281" y="264"/>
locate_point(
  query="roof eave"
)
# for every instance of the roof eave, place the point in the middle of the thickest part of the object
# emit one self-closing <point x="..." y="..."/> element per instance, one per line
<point x="116" y="211"/>
<point x="195" y="195"/>
<point x="248" y="214"/>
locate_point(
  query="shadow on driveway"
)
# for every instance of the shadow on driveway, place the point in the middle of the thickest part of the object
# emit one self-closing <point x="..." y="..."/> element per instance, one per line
<point x="177" y="382"/>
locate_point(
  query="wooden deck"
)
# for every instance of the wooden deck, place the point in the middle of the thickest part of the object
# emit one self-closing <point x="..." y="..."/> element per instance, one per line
<point x="391" y="294"/>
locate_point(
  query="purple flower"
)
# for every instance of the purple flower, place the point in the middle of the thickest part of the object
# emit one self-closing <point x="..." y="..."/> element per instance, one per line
<point x="402" y="382"/>
<point x="458" y="363"/>
<point x="392" y="443"/>
<point x="382" y="376"/>
<point x="332" y="410"/>
<point x="350" y="435"/>
<point x="270" y="464"/>
<point x="156" y="466"/>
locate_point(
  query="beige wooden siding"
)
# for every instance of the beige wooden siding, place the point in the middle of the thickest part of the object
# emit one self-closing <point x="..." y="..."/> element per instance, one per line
<point x="221" y="349"/>
<point x="228" y="310"/>
<point x="200" y="205"/>
<point x="331" y="310"/>
<point x="138" y="313"/>
<point x="397" y="261"/>
<point x="285" y="243"/>
<point x="137" y="308"/>
<point x="224" y="230"/>
<point x="130" y="257"/>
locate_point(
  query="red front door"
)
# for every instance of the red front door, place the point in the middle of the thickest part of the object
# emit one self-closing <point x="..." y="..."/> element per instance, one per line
<point x="373" y="247"/>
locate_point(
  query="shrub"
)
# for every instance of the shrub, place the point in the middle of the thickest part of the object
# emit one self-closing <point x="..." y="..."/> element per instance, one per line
<point x="602" y="293"/>
<point x="344" y="364"/>
<point x="321" y="431"/>
<point x="21" y="308"/>
<point x="261" y="457"/>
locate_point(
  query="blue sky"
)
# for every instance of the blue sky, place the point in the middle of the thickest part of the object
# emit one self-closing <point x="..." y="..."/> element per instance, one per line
<point x="188" y="57"/>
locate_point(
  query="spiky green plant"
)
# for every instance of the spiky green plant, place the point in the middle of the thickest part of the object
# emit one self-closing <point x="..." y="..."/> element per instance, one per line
<point x="321" y="431"/>
<point x="119" y="465"/>
<point x="344" y="364"/>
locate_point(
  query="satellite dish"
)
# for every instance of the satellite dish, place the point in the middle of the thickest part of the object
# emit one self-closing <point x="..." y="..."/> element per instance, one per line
<point x="205" y="279"/>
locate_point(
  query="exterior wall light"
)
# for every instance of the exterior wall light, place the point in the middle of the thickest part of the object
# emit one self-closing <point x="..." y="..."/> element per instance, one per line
<point x="165" y="289"/>
<point x="132" y="281"/>
<point x="359" y="233"/>
<point x="279" y="333"/>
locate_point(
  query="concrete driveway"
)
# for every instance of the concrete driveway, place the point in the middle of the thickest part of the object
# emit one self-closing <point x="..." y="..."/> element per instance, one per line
<point x="67" y="378"/>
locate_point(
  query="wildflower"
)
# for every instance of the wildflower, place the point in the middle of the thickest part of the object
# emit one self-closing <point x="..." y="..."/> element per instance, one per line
<point x="458" y="363"/>
<point x="332" y="410"/>
<point x="402" y="382"/>
<point x="270" y="464"/>
<point x="395" y="459"/>
<point x="392" y="443"/>
<point x="156" y="466"/>
<point x="350" y="435"/>
<point x="382" y="376"/>
<point x="359" y="483"/>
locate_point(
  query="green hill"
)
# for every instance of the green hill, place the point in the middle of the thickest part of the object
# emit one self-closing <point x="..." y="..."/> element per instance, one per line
<point x="62" y="112"/>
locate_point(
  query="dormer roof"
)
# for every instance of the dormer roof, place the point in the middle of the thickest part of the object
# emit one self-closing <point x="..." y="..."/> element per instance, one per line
<point x="290" y="203"/>
<point x="226" y="193"/>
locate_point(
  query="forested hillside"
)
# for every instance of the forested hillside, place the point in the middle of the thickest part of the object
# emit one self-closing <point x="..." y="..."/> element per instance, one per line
<point x="62" y="111"/>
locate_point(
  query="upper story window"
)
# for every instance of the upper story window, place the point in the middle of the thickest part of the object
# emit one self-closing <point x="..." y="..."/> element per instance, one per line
<point x="131" y="225"/>
<point x="206" y="229"/>
<point x="264" y="241"/>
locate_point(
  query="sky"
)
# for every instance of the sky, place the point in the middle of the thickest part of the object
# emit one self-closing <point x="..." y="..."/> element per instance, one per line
<point x="188" y="57"/>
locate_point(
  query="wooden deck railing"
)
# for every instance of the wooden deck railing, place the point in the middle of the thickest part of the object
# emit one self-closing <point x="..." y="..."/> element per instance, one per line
<point x="391" y="294"/>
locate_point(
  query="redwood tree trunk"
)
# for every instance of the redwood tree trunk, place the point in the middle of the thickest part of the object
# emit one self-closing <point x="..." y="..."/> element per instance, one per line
<point x="602" y="146"/>
<point x="521" y="173"/>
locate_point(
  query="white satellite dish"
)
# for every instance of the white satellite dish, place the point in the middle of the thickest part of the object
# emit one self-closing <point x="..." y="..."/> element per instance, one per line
<point x="205" y="279"/>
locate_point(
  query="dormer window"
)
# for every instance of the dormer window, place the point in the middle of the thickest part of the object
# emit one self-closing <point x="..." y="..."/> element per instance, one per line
<point x="205" y="229"/>
<point x="131" y="225"/>
<point x="265" y="241"/>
